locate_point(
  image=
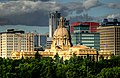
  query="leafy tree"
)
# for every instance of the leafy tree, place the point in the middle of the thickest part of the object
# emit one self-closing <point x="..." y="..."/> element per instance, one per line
<point x="61" y="60"/>
<point x="46" y="67"/>
<point x="37" y="55"/>
<point x="109" y="73"/>
<point x="61" y="70"/>
<point x="25" y="70"/>
<point x="57" y="58"/>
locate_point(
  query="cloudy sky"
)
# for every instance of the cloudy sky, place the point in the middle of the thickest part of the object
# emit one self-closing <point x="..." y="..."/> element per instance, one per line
<point x="36" y="12"/>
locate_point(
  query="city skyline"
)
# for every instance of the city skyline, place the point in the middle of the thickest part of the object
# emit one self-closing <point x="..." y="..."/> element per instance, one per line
<point x="32" y="29"/>
<point x="36" y="12"/>
<point x="59" y="38"/>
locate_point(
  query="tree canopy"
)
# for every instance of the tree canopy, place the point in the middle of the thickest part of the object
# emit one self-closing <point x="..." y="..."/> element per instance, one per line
<point x="46" y="67"/>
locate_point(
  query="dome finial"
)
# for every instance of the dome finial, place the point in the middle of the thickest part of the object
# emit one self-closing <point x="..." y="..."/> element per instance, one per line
<point x="61" y="22"/>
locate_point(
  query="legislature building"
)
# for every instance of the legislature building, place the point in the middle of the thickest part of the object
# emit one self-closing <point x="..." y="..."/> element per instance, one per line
<point x="61" y="44"/>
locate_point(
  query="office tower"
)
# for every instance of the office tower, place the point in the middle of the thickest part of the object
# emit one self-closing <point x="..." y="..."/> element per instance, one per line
<point x="82" y="35"/>
<point x="93" y="26"/>
<point x="12" y="40"/>
<point x="61" y="45"/>
<point x="53" y="22"/>
<point x="40" y="41"/>
<point x="110" y="36"/>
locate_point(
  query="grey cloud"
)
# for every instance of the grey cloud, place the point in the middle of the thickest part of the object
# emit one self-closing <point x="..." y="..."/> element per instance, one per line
<point x="113" y="5"/>
<point x="75" y="6"/>
<point x="82" y="18"/>
<point x="27" y="12"/>
<point x="35" y="12"/>
<point x="19" y="7"/>
<point x="113" y="16"/>
<point x="110" y="17"/>
<point x="91" y="3"/>
<point x="26" y="0"/>
<point x="44" y="0"/>
<point x="38" y="18"/>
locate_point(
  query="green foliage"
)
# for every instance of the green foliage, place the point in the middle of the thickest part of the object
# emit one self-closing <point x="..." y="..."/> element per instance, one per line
<point x="37" y="55"/>
<point x="109" y="73"/>
<point x="57" y="58"/>
<point x="46" y="67"/>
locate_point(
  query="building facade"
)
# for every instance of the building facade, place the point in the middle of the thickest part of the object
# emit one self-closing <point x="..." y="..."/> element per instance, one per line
<point x="53" y="22"/>
<point x="110" y="36"/>
<point x="12" y="40"/>
<point x="49" y="42"/>
<point x="110" y="39"/>
<point x="40" y="40"/>
<point x="82" y="35"/>
<point x="92" y="26"/>
<point x="61" y="44"/>
<point x="91" y="40"/>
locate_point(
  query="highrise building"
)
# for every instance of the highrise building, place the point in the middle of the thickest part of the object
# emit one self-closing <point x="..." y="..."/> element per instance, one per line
<point x="40" y="41"/>
<point x="11" y="41"/>
<point x="110" y="36"/>
<point x="61" y="44"/>
<point x="53" y="22"/>
<point x="93" y="26"/>
<point x="84" y="35"/>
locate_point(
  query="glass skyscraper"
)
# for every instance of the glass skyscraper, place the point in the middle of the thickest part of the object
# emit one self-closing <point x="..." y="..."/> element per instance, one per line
<point x="83" y="36"/>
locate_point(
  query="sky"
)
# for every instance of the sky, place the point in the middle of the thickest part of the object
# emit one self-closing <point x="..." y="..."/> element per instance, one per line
<point x="36" y="12"/>
<point x="32" y="29"/>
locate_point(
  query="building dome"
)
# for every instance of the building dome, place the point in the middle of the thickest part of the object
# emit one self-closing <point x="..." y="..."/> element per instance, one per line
<point x="60" y="32"/>
<point x="61" y="37"/>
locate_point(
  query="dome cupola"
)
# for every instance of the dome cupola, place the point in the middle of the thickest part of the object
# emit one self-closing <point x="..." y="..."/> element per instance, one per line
<point x="61" y="31"/>
<point x="61" y="36"/>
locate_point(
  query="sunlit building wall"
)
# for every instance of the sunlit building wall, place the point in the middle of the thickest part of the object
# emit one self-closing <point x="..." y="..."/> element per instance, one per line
<point x="110" y="36"/>
<point x="110" y="39"/>
<point x="12" y="40"/>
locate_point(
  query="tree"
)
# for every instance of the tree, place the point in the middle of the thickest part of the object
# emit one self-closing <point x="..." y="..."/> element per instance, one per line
<point x="61" y="60"/>
<point x="73" y="59"/>
<point x="109" y="73"/>
<point x="57" y="58"/>
<point x="37" y="55"/>
<point x="25" y="70"/>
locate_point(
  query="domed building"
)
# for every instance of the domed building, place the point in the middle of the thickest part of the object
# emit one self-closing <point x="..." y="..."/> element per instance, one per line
<point x="62" y="45"/>
<point x="61" y="37"/>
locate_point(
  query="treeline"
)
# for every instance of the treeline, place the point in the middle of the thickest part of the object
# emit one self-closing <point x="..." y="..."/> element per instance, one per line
<point x="75" y="67"/>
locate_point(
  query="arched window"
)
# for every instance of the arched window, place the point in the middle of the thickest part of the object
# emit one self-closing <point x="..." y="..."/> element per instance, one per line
<point x="58" y="42"/>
